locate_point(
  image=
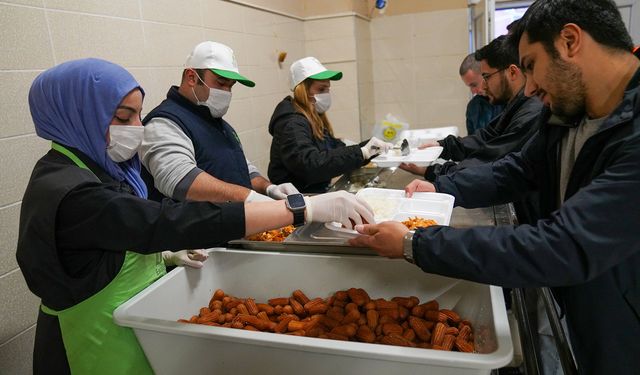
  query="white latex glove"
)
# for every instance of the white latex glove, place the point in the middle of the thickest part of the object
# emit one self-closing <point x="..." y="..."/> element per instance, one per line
<point x="338" y="206"/>
<point x="375" y="147"/>
<point x="281" y="191"/>
<point x="257" y="197"/>
<point x="191" y="258"/>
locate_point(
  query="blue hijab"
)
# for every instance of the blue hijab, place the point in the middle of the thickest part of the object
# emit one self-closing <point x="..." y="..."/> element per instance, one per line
<point x="73" y="104"/>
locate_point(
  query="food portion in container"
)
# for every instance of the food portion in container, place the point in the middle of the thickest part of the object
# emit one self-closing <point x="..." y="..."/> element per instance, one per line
<point x="415" y="222"/>
<point x="275" y="235"/>
<point x="347" y="315"/>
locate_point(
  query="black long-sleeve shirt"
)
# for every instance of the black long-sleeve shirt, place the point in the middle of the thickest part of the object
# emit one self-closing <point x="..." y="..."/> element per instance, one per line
<point x="76" y="226"/>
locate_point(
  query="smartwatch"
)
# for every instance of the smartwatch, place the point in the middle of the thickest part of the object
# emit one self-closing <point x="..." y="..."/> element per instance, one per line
<point x="295" y="203"/>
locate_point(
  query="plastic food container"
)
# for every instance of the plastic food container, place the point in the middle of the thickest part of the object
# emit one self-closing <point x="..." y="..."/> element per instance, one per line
<point x="175" y="348"/>
<point x="391" y="204"/>
<point x="421" y="158"/>
<point x="418" y="137"/>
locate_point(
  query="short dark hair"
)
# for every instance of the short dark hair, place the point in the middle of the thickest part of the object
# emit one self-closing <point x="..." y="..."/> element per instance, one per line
<point x="499" y="53"/>
<point x="199" y="72"/>
<point x="601" y="19"/>
<point x="469" y="63"/>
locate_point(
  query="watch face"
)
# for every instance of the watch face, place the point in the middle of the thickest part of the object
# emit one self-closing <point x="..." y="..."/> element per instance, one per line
<point x="295" y="201"/>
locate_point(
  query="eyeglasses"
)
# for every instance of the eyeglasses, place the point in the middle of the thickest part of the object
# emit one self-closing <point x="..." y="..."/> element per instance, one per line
<point x="485" y="76"/>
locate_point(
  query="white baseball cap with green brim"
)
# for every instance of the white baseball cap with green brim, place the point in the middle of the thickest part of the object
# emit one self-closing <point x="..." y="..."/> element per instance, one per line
<point x="218" y="58"/>
<point x="310" y="67"/>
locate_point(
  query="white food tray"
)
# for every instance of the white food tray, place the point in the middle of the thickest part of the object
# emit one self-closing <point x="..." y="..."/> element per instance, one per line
<point x="421" y="158"/>
<point x="418" y="137"/>
<point x="200" y="349"/>
<point x="391" y="204"/>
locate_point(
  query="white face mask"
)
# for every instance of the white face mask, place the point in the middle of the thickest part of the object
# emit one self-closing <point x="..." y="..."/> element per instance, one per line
<point x="218" y="101"/>
<point x="124" y="141"/>
<point x="323" y="102"/>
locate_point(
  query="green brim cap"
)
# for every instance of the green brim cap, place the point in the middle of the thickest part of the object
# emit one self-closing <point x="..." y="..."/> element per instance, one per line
<point x="328" y="74"/>
<point x="233" y="75"/>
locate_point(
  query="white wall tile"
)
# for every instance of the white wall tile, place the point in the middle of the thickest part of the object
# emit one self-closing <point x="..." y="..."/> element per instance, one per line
<point x="9" y="217"/>
<point x="77" y="36"/>
<point x="332" y="28"/>
<point x="33" y="3"/>
<point x="332" y="50"/>
<point x="14" y="104"/>
<point x="183" y="12"/>
<point x="19" y="307"/>
<point x="24" y="47"/>
<point x="16" y="355"/>
<point x="18" y="156"/>
<point x="222" y="15"/>
<point x="169" y="45"/>
<point x="257" y="22"/>
<point x="118" y="8"/>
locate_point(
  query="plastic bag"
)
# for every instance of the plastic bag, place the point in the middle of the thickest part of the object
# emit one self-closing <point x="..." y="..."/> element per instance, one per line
<point x="389" y="129"/>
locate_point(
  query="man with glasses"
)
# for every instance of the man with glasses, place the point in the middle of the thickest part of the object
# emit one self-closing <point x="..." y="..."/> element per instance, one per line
<point x="479" y="111"/>
<point x="503" y="83"/>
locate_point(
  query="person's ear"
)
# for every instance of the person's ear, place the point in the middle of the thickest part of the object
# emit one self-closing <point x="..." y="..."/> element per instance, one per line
<point x="570" y="39"/>
<point x="513" y="71"/>
<point x="191" y="77"/>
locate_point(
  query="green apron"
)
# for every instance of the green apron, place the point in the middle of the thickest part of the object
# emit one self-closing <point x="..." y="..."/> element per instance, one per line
<point x="93" y="342"/>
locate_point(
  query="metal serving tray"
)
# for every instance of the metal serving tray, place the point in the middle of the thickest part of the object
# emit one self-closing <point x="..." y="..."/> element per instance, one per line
<point x="310" y="238"/>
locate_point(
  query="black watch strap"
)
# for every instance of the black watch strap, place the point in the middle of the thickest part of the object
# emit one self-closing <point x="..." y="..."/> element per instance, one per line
<point x="298" y="218"/>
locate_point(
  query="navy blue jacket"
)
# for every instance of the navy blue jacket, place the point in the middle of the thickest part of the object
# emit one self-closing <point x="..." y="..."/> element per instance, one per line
<point x="587" y="249"/>
<point x="217" y="147"/>
<point x="480" y="113"/>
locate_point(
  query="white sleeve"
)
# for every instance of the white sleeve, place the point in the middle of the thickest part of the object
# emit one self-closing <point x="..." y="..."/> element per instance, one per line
<point x="167" y="153"/>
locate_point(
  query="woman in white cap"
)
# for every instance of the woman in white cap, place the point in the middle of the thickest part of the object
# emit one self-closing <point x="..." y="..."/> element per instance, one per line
<point x="304" y="150"/>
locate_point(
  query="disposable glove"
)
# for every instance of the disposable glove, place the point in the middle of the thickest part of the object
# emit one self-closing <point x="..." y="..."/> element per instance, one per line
<point x="375" y="147"/>
<point x="257" y="197"/>
<point x="281" y="191"/>
<point x="191" y="258"/>
<point x="338" y="206"/>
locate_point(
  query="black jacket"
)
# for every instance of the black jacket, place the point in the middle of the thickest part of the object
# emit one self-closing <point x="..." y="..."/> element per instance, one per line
<point x="506" y="133"/>
<point x="588" y="249"/>
<point x="75" y="226"/>
<point x="300" y="158"/>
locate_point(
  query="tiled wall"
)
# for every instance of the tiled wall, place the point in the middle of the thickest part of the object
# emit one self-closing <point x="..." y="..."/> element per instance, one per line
<point x="152" y="39"/>
<point x="401" y="64"/>
<point x="415" y="67"/>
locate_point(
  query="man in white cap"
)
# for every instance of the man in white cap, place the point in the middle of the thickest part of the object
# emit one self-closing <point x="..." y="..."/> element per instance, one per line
<point x="189" y="151"/>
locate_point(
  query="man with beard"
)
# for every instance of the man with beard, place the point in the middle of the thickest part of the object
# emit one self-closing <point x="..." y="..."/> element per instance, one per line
<point x="479" y="111"/>
<point x="584" y="162"/>
<point x="503" y="83"/>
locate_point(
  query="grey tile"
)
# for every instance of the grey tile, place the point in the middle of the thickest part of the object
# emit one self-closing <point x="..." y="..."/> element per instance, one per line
<point x="18" y="156"/>
<point x="16" y="355"/>
<point x="24" y="47"/>
<point x="8" y="237"/>
<point x="18" y="307"/>
<point x="14" y="103"/>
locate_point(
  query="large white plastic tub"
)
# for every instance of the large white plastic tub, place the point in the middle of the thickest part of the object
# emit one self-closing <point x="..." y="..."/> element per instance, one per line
<point x="178" y="348"/>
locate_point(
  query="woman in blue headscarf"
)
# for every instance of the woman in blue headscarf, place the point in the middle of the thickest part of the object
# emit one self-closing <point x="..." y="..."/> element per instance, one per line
<point x="88" y="238"/>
